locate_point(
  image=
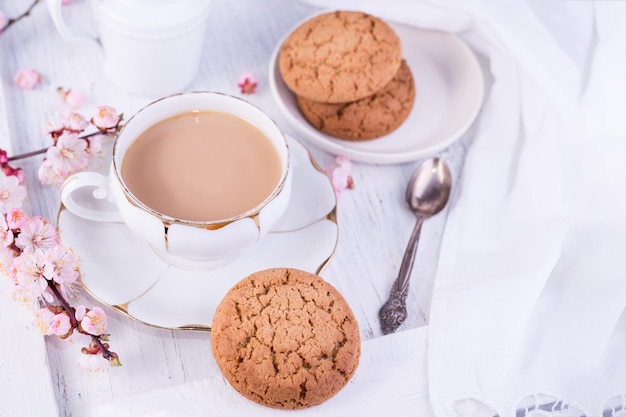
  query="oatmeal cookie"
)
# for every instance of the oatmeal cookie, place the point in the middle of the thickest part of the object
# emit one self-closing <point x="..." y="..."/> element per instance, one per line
<point x="339" y="56"/>
<point x="285" y="338"/>
<point x="368" y="118"/>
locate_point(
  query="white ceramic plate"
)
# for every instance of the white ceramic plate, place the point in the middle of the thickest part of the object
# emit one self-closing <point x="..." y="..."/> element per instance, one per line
<point x="123" y="272"/>
<point x="449" y="93"/>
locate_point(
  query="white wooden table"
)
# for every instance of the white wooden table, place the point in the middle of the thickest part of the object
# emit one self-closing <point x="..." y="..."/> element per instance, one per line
<point x="374" y="221"/>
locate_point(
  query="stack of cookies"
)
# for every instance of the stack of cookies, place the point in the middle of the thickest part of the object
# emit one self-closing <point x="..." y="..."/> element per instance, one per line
<point x="347" y="72"/>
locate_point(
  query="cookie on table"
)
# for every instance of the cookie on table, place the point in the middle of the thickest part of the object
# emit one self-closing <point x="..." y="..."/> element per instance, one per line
<point x="285" y="338"/>
<point x="368" y="118"/>
<point x="340" y="56"/>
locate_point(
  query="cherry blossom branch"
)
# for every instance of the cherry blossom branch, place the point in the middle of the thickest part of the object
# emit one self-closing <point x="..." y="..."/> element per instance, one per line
<point x="69" y="152"/>
<point x="14" y="20"/>
<point x="44" y="150"/>
<point x="105" y="352"/>
<point x="112" y="357"/>
<point x="64" y="303"/>
<point x="45" y="272"/>
<point x="42" y="269"/>
<point x="28" y="154"/>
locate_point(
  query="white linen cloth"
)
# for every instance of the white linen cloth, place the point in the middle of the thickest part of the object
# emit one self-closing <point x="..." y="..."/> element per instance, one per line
<point x="391" y="379"/>
<point x="528" y="313"/>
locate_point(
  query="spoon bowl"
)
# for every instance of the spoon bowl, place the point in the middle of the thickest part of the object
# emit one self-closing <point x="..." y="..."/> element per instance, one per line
<point x="427" y="194"/>
<point x="428" y="190"/>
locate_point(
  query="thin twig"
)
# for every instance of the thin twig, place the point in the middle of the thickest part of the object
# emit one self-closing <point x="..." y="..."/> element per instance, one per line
<point x="64" y="303"/>
<point x="106" y="353"/>
<point x="44" y="150"/>
<point x="28" y="154"/>
<point x="14" y="20"/>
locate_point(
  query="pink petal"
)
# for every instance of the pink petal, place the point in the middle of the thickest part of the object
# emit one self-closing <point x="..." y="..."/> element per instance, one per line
<point x="80" y="312"/>
<point x="76" y="122"/>
<point x="61" y="324"/>
<point x="339" y="173"/>
<point x="72" y="97"/>
<point x="106" y="117"/>
<point x="27" y="79"/>
<point x="16" y="218"/>
<point x="95" y="321"/>
<point x="92" y="362"/>
<point x="248" y="82"/>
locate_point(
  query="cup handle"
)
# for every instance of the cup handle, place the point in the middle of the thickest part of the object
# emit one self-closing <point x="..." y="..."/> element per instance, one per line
<point x="86" y="194"/>
<point x="54" y="7"/>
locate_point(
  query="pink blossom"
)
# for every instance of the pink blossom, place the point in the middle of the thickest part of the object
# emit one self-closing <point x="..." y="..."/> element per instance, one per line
<point x="15" y="172"/>
<point x="37" y="233"/>
<point x="75" y="122"/>
<point x="106" y="117"/>
<point x="50" y="323"/>
<point x="71" y="122"/>
<point x="43" y="320"/>
<point x="92" y="362"/>
<point x="75" y="98"/>
<point x="7" y="256"/>
<point x="80" y="312"/>
<point x="66" y="1"/>
<point x="27" y="79"/>
<point x="12" y="194"/>
<point x="339" y="173"/>
<point x="16" y="218"/>
<point x="6" y="234"/>
<point x="61" y="324"/>
<point x="48" y="175"/>
<point x="19" y="174"/>
<point x="248" y="82"/>
<point x="8" y="170"/>
<point x="72" y="97"/>
<point x="95" y="144"/>
<point x="62" y="266"/>
<point x="68" y="155"/>
<point x="94" y="322"/>
<point x="56" y="124"/>
<point x="27" y="272"/>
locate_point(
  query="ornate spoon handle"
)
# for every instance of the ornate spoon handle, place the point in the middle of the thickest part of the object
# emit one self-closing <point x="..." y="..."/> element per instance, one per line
<point x="393" y="313"/>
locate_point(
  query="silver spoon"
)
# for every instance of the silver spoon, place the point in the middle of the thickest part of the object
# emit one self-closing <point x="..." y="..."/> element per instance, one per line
<point x="427" y="193"/>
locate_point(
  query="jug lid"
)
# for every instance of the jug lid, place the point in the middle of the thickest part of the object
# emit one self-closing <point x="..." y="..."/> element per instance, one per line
<point x="152" y="15"/>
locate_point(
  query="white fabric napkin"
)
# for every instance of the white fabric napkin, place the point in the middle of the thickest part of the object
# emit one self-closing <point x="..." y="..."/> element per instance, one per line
<point x="391" y="380"/>
<point x="528" y="315"/>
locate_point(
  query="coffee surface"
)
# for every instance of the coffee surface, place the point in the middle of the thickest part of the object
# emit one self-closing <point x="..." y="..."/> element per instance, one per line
<point x="202" y="166"/>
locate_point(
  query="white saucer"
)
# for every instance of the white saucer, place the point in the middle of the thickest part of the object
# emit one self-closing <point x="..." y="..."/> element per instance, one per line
<point x="123" y="272"/>
<point x="449" y="93"/>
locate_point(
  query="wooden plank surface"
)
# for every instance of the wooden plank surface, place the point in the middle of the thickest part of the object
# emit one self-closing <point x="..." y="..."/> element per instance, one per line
<point x="374" y="222"/>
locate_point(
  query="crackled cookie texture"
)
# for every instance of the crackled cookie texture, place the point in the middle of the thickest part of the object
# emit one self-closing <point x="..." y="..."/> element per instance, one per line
<point x="368" y="118"/>
<point x="340" y="56"/>
<point x="285" y="338"/>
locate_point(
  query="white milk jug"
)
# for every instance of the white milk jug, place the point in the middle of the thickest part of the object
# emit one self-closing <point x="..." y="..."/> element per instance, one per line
<point x="150" y="47"/>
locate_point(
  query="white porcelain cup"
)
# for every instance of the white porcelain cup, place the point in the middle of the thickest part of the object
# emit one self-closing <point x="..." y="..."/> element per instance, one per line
<point x="151" y="48"/>
<point x="184" y="243"/>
